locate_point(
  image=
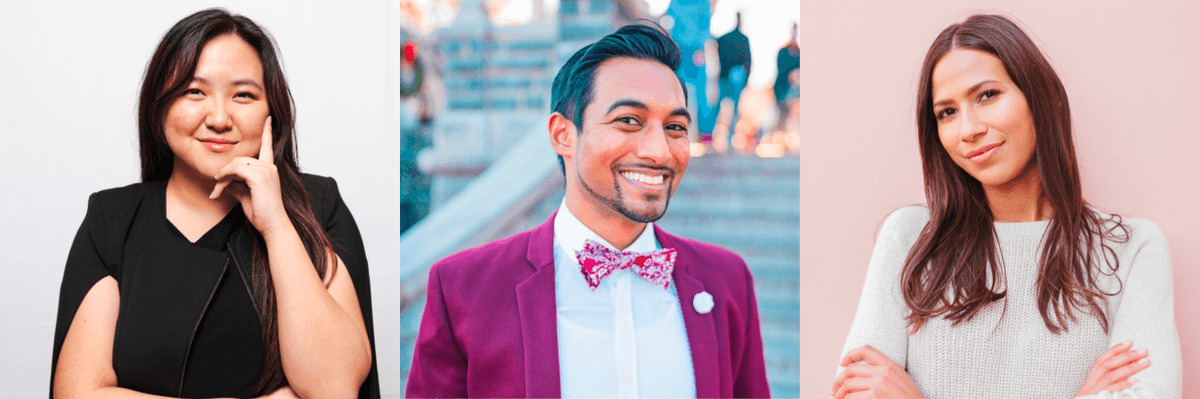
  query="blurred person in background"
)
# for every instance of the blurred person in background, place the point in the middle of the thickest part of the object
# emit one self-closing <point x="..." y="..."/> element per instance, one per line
<point x="1008" y="283"/>
<point x="733" y="50"/>
<point x="787" y="79"/>
<point x="226" y="272"/>
<point x="598" y="301"/>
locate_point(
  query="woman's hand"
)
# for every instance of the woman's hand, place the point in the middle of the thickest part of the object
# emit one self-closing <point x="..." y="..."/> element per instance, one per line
<point x="880" y="377"/>
<point x="1113" y="371"/>
<point x="255" y="184"/>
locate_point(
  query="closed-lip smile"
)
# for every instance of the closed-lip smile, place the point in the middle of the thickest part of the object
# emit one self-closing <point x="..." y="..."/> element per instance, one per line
<point x="982" y="150"/>
<point x="217" y="145"/>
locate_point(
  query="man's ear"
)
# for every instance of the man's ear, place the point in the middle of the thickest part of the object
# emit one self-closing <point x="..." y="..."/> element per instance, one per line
<point x="562" y="135"/>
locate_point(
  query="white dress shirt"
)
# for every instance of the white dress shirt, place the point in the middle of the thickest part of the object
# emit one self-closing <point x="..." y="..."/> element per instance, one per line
<point x="626" y="339"/>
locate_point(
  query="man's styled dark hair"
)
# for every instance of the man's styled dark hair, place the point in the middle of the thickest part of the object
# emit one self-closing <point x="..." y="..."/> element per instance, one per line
<point x="572" y="90"/>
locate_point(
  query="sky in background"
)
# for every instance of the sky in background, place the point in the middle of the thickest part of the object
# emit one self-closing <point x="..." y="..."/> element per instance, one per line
<point x="767" y="23"/>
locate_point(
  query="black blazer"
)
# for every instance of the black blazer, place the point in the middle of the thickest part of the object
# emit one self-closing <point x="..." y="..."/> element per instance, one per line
<point x="156" y="328"/>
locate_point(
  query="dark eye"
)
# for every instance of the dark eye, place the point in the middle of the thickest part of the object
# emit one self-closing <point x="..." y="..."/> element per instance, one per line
<point x="946" y="113"/>
<point x="628" y="120"/>
<point x="676" y="126"/>
<point x="246" y="94"/>
<point x="191" y="92"/>
<point x="988" y="94"/>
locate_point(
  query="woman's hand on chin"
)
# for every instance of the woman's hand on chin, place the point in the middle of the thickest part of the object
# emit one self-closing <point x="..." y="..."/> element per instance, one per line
<point x="879" y="378"/>
<point x="1114" y="369"/>
<point x="255" y="184"/>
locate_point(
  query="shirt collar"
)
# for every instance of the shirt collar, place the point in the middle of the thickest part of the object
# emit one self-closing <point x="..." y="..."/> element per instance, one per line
<point x="570" y="234"/>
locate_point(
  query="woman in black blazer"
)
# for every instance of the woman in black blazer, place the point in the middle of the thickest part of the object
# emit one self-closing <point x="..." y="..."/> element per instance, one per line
<point x="226" y="272"/>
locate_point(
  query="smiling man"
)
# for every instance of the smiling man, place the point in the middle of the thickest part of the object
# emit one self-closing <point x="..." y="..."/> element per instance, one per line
<point x="597" y="301"/>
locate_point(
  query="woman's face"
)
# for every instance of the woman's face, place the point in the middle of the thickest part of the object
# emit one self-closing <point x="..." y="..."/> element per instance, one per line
<point x="220" y="115"/>
<point x="983" y="119"/>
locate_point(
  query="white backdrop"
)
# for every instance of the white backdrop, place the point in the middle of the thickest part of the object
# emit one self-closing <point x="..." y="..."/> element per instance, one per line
<point x="69" y="76"/>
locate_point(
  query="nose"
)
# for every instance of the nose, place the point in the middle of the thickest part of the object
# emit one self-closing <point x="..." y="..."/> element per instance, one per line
<point x="972" y="127"/>
<point x="654" y="145"/>
<point x="218" y="119"/>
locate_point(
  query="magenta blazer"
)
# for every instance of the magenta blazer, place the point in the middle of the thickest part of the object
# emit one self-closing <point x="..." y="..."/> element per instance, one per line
<point x="489" y="327"/>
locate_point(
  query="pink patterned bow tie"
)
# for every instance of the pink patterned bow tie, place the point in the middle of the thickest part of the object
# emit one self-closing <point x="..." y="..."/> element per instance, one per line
<point x="597" y="261"/>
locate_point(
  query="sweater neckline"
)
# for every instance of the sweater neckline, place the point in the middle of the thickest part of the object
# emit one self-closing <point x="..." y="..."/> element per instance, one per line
<point x="1021" y="228"/>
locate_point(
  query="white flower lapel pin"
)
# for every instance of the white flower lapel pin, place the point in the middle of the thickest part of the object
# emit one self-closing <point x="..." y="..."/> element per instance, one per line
<point x="703" y="302"/>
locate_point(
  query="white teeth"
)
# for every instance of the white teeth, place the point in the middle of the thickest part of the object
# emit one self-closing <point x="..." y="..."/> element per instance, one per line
<point x="643" y="178"/>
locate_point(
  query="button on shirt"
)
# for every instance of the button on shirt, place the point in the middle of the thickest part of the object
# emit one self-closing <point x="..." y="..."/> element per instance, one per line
<point x="626" y="339"/>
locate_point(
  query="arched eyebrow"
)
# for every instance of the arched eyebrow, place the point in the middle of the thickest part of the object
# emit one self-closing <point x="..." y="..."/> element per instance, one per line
<point x="239" y="82"/>
<point x="971" y="89"/>
<point x="639" y="105"/>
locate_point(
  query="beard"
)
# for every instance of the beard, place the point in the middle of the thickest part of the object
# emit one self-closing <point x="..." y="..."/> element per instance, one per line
<point x="618" y="201"/>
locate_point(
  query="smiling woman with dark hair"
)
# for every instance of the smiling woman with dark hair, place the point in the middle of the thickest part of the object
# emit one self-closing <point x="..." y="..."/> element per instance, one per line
<point x="1008" y="284"/>
<point x="226" y="271"/>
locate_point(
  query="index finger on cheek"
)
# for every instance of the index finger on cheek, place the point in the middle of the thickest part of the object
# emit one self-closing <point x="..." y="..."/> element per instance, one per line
<point x="266" y="152"/>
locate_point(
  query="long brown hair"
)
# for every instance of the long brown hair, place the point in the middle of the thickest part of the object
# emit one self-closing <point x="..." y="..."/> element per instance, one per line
<point x="167" y="76"/>
<point x="952" y="271"/>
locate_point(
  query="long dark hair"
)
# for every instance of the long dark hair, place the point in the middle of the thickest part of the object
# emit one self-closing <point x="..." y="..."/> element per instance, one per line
<point x="167" y="76"/>
<point x="952" y="270"/>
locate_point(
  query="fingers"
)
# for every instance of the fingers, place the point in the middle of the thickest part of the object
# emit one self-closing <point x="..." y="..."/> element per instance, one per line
<point x="219" y="188"/>
<point x="1124" y="358"/>
<point x="853" y="371"/>
<point x="1115" y="350"/>
<point x="1128" y="370"/>
<point x="266" y="152"/>
<point x="1121" y="385"/>
<point x="235" y="170"/>
<point x="851" y="386"/>
<point x="865" y="353"/>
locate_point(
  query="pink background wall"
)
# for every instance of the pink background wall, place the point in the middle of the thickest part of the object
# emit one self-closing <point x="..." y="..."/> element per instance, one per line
<point x="1132" y="72"/>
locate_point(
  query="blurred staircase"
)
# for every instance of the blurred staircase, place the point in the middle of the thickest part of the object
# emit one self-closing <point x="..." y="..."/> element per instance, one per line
<point x="752" y="206"/>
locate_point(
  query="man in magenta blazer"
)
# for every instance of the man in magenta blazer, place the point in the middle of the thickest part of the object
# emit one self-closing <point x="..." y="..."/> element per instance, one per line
<point x="597" y="301"/>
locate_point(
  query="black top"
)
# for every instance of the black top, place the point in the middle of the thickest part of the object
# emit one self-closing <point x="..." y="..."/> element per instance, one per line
<point x="187" y="324"/>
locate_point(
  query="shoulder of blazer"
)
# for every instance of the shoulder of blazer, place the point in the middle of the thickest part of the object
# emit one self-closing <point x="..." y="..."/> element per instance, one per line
<point x="114" y="208"/>
<point x="479" y="263"/>
<point x="110" y="216"/>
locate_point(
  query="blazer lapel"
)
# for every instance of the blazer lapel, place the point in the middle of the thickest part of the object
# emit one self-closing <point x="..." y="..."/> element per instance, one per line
<point x="239" y="251"/>
<point x="702" y="337"/>
<point x="539" y="324"/>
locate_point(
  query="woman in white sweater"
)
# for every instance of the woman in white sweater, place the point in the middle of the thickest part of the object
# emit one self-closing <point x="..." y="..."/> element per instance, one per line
<point x="1008" y="285"/>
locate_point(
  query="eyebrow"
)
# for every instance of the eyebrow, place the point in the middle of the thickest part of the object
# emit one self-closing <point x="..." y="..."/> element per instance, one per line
<point x="239" y="82"/>
<point x="639" y="105"/>
<point x="972" y="89"/>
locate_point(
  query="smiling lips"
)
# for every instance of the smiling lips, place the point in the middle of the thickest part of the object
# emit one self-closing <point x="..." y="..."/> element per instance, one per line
<point x="217" y="145"/>
<point x="646" y="180"/>
<point x="983" y="154"/>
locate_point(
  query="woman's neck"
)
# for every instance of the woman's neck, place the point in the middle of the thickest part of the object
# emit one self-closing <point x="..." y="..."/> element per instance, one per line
<point x="1020" y="200"/>
<point x="188" y="205"/>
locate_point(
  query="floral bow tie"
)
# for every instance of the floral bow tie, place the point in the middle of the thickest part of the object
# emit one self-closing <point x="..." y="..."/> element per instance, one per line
<point x="597" y="261"/>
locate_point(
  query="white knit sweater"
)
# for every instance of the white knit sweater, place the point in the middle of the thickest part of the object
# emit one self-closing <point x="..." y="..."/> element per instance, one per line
<point x="1009" y="353"/>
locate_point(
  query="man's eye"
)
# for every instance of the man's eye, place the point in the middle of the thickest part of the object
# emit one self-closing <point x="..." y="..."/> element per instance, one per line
<point x="628" y="120"/>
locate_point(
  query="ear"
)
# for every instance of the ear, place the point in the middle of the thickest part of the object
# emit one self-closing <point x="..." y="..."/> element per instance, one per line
<point x="562" y="135"/>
